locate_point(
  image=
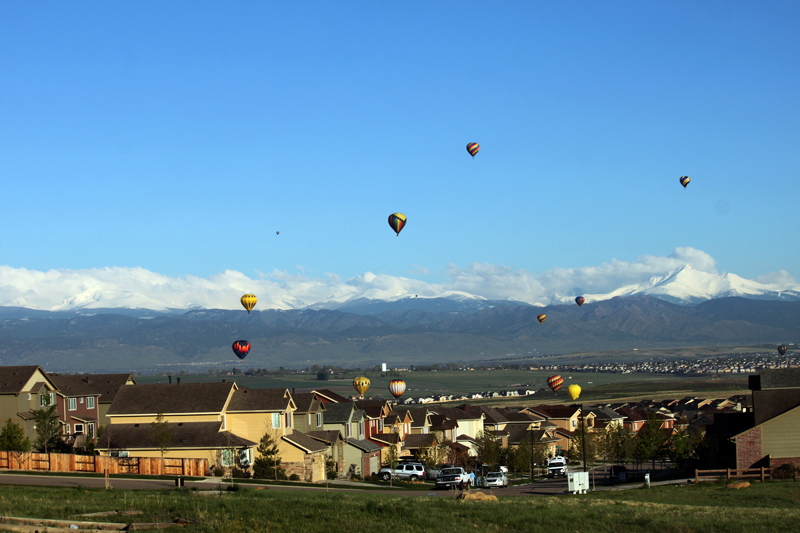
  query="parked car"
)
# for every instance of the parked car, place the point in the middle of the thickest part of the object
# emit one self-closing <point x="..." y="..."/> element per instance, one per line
<point x="495" y="479"/>
<point x="412" y="471"/>
<point x="557" y="467"/>
<point x="453" y="477"/>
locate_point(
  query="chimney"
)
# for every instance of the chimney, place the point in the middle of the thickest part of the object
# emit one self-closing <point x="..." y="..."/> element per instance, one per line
<point x="292" y="390"/>
<point x="179" y="380"/>
<point x="170" y="379"/>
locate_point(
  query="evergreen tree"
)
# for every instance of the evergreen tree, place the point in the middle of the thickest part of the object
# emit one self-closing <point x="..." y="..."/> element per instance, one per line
<point x="13" y="439"/>
<point x="268" y="464"/>
<point x="48" y="428"/>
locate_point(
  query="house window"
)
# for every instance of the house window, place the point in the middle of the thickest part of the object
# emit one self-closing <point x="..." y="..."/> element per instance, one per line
<point x="90" y="402"/>
<point x="348" y="431"/>
<point x="276" y="420"/>
<point x="319" y="420"/>
<point x="78" y="428"/>
<point x="574" y="423"/>
<point x="73" y="404"/>
<point x="44" y="400"/>
<point x="29" y="395"/>
<point x="380" y="424"/>
<point x="90" y="431"/>
<point x="229" y="457"/>
<point x="81" y="399"/>
<point x="288" y="419"/>
<point x="361" y="429"/>
<point x="310" y="421"/>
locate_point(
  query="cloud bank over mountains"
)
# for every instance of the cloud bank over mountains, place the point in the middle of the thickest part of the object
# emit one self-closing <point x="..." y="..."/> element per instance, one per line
<point x="687" y="275"/>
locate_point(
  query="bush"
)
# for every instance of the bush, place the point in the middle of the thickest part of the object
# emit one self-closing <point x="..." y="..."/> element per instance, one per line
<point x="355" y="477"/>
<point x="785" y="471"/>
<point x="294" y="477"/>
<point x="219" y="471"/>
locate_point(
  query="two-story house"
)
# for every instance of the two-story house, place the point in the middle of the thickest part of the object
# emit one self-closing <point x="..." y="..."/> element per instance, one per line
<point x="24" y="389"/>
<point x="361" y="456"/>
<point x="78" y="407"/>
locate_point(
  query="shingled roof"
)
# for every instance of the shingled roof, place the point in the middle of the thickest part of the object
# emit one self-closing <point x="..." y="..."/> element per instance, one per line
<point x="776" y="378"/>
<point x="106" y="385"/>
<point x="14" y="378"/>
<point x="372" y="408"/>
<point x="328" y="395"/>
<point x="184" y="435"/>
<point x="245" y="399"/>
<point x="171" y="399"/>
<point x="305" y="442"/>
<point x="307" y="402"/>
<point x="341" y="413"/>
<point x="329" y="437"/>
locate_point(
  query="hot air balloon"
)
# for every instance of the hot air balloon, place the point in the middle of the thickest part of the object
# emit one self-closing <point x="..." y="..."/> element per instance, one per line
<point x="685" y="181"/>
<point x="579" y="300"/>
<point x="361" y="385"/>
<point x="397" y="387"/>
<point x="249" y="302"/>
<point x="241" y="349"/>
<point x="541" y="318"/>
<point x="473" y="148"/>
<point x="555" y="382"/>
<point x="574" y="391"/>
<point x="782" y="349"/>
<point x="277" y="233"/>
<point x="397" y="221"/>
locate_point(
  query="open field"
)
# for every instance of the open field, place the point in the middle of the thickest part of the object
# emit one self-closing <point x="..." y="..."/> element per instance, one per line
<point x="596" y="387"/>
<point x="709" y="507"/>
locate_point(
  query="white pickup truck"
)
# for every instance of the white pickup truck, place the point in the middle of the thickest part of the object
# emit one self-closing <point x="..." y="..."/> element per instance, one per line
<point x="557" y="467"/>
<point x="450" y="477"/>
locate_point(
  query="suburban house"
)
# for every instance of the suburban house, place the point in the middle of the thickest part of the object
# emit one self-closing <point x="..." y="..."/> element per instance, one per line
<point x="78" y="406"/>
<point x="105" y="385"/>
<point x="334" y="443"/>
<point x="374" y="413"/>
<point x="398" y="422"/>
<point x="361" y="457"/>
<point x="328" y="396"/>
<point x="309" y="412"/>
<point x="24" y="389"/>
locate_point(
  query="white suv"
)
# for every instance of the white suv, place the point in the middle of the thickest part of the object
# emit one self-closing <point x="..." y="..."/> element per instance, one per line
<point x="412" y="471"/>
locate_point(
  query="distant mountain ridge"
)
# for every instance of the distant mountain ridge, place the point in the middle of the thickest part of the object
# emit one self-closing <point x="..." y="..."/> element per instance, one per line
<point x="202" y="338"/>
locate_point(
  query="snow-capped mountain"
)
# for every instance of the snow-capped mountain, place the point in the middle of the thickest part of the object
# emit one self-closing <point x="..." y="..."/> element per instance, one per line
<point x="687" y="286"/>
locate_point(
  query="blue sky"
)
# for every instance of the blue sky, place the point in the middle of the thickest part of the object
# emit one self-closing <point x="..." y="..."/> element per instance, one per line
<point x="180" y="136"/>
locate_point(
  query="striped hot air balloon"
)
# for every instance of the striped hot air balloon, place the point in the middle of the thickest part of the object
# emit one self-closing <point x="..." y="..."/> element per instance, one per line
<point x="249" y="302"/>
<point x="782" y="349"/>
<point x="685" y="181"/>
<point x="397" y="221"/>
<point x="241" y="349"/>
<point x="397" y="387"/>
<point x="579" y="300"/>
<point x="541" y="318"/>
<point x="473" y="148"/>
<point x="361" y="385"/>
<point x="555" y="382"/>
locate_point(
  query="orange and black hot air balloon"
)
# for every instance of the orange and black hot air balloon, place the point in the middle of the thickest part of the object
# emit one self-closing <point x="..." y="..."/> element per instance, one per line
<point x="782" y="349"/>
<point x="579" y="300"/>
<point x="397" y="221"/>
<point x="241" y="349"/>
<point x="541" y="318"/>
<point x="473" y="148"/>
<point x="555" y="382"/>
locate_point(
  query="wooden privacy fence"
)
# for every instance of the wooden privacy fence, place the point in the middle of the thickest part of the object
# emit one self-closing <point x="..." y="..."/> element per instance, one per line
<point x="63" y="462"/>
<point x="762" y="474"/>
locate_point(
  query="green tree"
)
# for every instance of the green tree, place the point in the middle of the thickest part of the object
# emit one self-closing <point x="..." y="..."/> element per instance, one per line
<point x="436" y="453"/>
<point x="618" y="445"/>
<point x="47" y="426"/>
<point x="269" y="461"/>
<point x="13" y="439"/>
<point x="487" y="448"/>
<point x="585" y="437"/>
<point x="650" y="442"/>
<point x="161" y="435"/>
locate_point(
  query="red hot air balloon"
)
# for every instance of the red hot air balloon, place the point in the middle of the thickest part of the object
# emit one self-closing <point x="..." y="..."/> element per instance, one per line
<point x="555" y="382"/>
<point x="579" y="300"/>
<point x="241" y="349"/>
<point x="782" y="349"/>
<point x="397" y="387"/>
<point x="541" y="318"/>
<point x="473" y="148"/>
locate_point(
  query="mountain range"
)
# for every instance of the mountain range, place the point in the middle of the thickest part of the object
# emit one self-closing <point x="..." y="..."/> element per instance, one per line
<point x="405" y="331"/>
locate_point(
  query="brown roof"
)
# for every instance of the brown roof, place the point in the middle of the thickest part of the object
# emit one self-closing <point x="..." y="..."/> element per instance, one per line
<point x="303" y="441"/>
<point x="328" y="436"/>
<point x="184" y="435"/>
<point x="385" y="438"/>
<point x="307" y="402"/>
<point x="13" y="378"/>
<point x="171" y="399"/>
<point x="415" y="441"/>
<point x="246" y="399"/>
<point x="104" y="385"/>
<point x="330" y="396"/>
<point x="372" y="408"/>
<point x="555" y="411"/>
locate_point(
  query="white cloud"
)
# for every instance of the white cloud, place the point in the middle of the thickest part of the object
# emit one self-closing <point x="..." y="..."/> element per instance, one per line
<point x="140" y="288"/>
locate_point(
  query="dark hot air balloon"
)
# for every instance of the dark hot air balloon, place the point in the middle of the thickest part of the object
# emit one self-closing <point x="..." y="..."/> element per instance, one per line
<point x="397" y="221"/>
<point x="685" y="181"/>
<point x="249" y="302"/>
<point x="579" y="300"/>
<point x="241" y="349"/>
<point x="541" y="318"/>
<point x="555" y="382"/>
<point x="473" y="148"/>
<point x="397" y="387"/>
<point x="782" y="349"/>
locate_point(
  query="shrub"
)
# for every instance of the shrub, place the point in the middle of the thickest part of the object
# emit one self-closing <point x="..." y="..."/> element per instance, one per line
<point x="219" y="471"/>
<point x="785" y="471"/>
<point x="294" y="477"/>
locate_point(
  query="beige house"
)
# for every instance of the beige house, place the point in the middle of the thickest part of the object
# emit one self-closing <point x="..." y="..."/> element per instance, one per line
<point x="24" y="389"/>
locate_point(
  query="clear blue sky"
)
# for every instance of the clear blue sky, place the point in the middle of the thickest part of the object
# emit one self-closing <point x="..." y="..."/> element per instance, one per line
<point x="180" y="136"/>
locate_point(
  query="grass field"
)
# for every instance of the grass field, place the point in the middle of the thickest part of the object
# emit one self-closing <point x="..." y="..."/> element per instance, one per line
<point x="596" y="387"/>
<point x="709" y="507"/>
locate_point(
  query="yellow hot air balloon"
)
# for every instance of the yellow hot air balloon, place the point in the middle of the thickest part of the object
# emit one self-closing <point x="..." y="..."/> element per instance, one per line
<point x="361" y="385"/>
<point x="574" y="391"/>
<point x="249" y="302"/>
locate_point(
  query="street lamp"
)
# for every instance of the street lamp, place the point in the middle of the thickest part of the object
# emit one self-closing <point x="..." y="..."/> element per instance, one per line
<point x="583" y="436"/>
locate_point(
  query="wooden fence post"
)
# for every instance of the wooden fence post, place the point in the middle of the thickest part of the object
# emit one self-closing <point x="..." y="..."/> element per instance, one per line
<point x="762" y="474"/>
<point x="696" y="476"/>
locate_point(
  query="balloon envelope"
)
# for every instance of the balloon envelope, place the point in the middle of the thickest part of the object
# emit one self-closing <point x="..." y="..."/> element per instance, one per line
<point x="555" y="382"/>
<point x="541" y="318"/>
<point x="685" y="181"/>
<point x="249" y="302"/>
<point x="473" y="148"/>
<point x="241" y="349"/>
<point x="397" y="221"/>
<point x="361" y="385"/>
<point x="782" y="349"/>
<point x="397" y="387"/>
<point x="579" y="300"/>
<point x="574" y="391"/>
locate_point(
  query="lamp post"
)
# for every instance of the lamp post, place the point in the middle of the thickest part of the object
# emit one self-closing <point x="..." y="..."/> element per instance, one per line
<point x="583" y="437"/>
